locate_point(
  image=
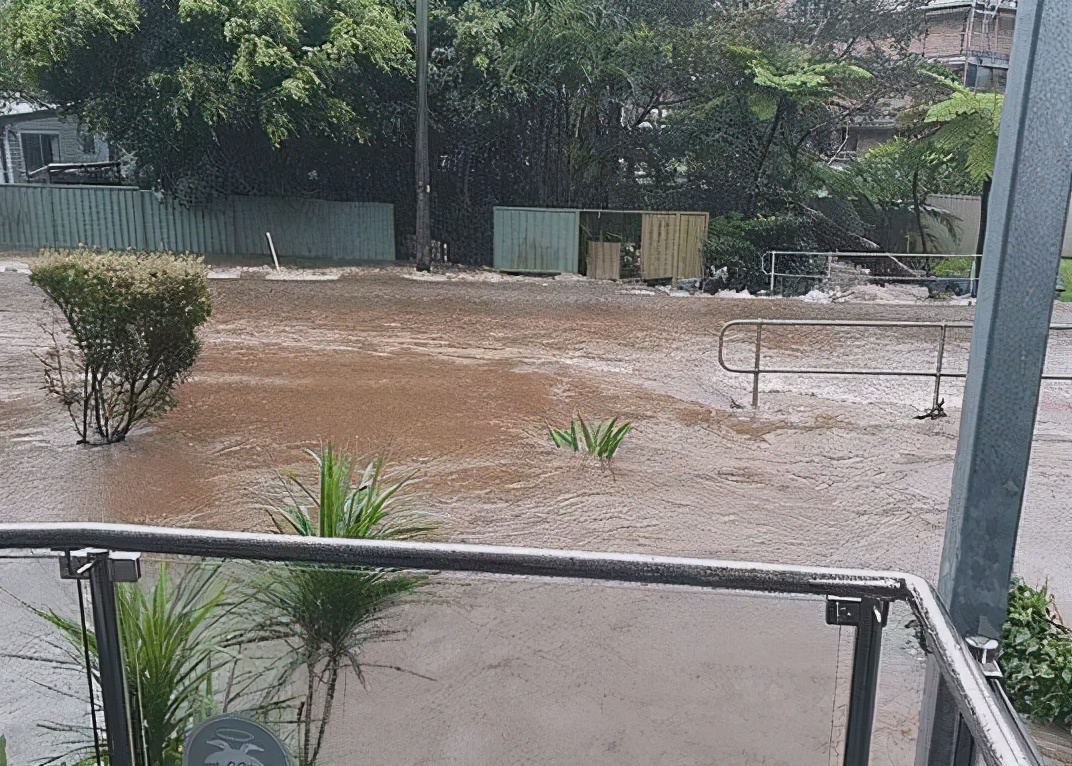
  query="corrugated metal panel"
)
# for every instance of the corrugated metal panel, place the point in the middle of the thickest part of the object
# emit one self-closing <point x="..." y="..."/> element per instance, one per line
<point x="118" y="218"/>
<point x="26" y="218"/>
<point x="302" y="228"/>
<point x="966" y="210"/>
<point x="536" y="239"/>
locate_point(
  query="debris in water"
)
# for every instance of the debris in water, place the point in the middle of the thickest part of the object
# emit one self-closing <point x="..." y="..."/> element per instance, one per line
<point x="935" y="412"/>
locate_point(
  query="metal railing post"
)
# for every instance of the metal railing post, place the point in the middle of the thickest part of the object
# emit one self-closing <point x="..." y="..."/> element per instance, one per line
<point x="110" y="659"/>
<point x="773" y="257"/>
<point x="755" y="368"/>
<point x="868" y="616"/>
<point x="938" y="366"/>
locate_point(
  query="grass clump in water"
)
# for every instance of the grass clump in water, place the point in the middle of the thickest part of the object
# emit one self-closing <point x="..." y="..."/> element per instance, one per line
<point x="601" y="440"/>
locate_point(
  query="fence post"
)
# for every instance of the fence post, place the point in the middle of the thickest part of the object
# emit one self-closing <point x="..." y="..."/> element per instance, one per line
<point x="755" y="368"/>
<point x="773" y="257"/>
<point x="938" y="367"/>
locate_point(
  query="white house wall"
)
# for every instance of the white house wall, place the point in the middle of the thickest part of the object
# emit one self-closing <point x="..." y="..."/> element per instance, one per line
<point x="70" y="143"/>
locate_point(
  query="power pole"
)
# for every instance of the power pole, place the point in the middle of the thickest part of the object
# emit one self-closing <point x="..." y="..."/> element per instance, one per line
<point x="423" y="239"/>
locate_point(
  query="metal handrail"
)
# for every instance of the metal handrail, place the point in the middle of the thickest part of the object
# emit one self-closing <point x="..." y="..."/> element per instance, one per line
<point x="831" y="256"/>
<point x="999" y="742"/>
<point x="938" y="373"/>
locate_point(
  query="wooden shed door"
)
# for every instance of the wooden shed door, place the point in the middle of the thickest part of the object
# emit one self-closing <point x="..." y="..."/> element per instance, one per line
<point x="692" y="233"/>
<point x="658" y="245"/>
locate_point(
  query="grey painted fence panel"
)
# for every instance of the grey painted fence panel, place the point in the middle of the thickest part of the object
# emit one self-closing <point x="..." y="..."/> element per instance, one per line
<point x="966" y="214"/>
<point x="32" y="217"/>
<point x="533" y="239"/>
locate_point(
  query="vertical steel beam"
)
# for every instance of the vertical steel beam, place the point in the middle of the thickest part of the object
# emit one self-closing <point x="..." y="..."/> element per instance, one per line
<point x="110" y="657"/>
<point x="868" y="616"/>
<point x="1028" y="209"/>
<point x="865" y="661"/>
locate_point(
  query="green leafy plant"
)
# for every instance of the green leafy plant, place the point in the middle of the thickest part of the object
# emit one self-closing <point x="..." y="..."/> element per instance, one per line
<point x="131" y="334"/>
<point x="325" y="614"/>
<point x="1036" y="655"/>
<point x="601" y="439"/>
<point x="173" y="642"/>
<point x="3" y="750"/>
<point x="739" y="246"/>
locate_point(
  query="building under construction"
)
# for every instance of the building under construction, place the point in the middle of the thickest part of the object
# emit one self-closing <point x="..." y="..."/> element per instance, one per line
<point x="972" y="38"/>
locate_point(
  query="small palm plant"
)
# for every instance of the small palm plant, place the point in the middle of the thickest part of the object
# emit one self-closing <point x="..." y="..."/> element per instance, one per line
<point x="325" y="614"/>
<point x="601" y="440"/>
<point x="172" y="642"/>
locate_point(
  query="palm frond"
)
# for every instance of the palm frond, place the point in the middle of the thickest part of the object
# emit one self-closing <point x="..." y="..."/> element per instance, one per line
<point x="325" y="614"/>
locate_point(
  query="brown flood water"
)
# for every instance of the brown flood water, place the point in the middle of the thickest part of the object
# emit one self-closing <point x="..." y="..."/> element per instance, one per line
<point x="458" y="378"/>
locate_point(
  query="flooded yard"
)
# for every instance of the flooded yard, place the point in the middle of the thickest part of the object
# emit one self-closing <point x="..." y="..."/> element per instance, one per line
<point x="457" y="377"/>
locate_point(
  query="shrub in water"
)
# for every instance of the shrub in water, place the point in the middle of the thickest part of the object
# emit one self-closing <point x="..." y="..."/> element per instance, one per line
<point x="130" y="336"/>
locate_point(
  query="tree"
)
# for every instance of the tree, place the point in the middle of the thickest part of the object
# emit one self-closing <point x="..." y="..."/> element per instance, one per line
<point x="325" y="614"/>
<point x="900" y="174"/>
<point x="131" y="335"/>
<point x="787" y="89"/>
<point x="968" y="123"/>
<point x="584" y="103"/>
<point x="212" y="95"/>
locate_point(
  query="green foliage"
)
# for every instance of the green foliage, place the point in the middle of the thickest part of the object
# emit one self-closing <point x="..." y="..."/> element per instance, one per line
<point x="173" y="640"/>
<point x="323" y="614"/>
<point x="198" y="88"/>
<point x="3" y="750"/>
<point x="968" y="124"/>
<point x="676" y="104"/>
<point x="900" y="175"/>
<point x="1036" y="655"/>
<point x="739" y="246"/>
<point x="953" y="267"/>
<point x="601" y="440"/>
<point x="1066" y="277"/>
<point x="130" y="337"/>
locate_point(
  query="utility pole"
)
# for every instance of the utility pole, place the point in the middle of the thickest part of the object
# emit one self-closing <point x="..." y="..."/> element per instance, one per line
<point x="423" y="239"/>
<point x="1029" y="204"/>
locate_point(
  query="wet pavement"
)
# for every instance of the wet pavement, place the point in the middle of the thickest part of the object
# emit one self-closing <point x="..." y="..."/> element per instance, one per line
<point x="458" y="378"/>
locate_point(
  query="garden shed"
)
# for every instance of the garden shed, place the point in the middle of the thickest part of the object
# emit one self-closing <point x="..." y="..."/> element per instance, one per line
<point x="601" y="244"/>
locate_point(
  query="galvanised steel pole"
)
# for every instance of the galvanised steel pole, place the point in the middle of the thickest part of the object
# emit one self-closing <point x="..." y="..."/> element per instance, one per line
<point x="1028" y="209"/>
<point x="423" y="239"/>
<point x="110" y="656"/>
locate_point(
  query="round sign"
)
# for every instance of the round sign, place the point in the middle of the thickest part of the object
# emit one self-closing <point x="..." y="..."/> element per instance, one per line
<point x="228" y="740"/>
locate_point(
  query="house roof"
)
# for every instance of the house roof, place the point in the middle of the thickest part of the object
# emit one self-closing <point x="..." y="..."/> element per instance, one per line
<point x="992" y="4"/>
<point x="13" y="111"/>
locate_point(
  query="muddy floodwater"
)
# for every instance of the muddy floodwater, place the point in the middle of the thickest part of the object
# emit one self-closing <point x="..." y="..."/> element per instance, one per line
<point x="458" y="376"/>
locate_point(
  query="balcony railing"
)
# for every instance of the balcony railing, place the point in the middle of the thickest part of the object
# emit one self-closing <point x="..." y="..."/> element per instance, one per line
<point x="857" y="598"/>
